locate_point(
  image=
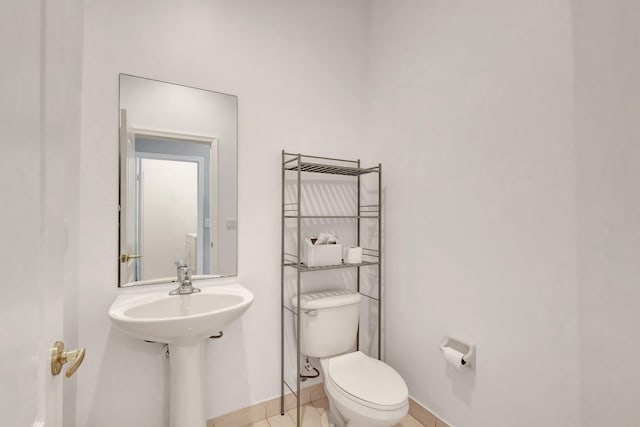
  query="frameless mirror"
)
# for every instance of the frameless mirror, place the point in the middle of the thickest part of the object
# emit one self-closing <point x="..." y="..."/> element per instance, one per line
<point x="178" y="181"/>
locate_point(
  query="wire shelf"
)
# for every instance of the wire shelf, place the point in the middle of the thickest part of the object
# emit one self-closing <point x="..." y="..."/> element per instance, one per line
<point x="331" y="169"/>
<point x="331" y="216"/>
<point x="304" y="268"/>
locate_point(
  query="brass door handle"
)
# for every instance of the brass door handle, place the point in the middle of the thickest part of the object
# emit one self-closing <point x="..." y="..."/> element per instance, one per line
<point x="59" y="357"/>
<point x="126" y="257"/>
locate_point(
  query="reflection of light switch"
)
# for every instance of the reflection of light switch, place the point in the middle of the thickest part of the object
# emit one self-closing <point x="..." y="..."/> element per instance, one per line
<point x="231" y="223"/>
<point x="207" y="223"/>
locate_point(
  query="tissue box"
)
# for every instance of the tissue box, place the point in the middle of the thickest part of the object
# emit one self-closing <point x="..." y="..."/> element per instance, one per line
<point x="321" y="255"/>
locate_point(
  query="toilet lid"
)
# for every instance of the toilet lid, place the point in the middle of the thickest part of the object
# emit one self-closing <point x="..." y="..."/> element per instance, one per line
<point x="368" y="379"/>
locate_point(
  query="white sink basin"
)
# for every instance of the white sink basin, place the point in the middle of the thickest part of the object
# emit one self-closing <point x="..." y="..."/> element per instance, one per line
<point x="183" y="319"/>
<point x="184" y="322"/>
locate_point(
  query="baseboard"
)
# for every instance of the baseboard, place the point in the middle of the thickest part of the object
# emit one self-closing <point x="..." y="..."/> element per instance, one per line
<point x="425" y="416"/>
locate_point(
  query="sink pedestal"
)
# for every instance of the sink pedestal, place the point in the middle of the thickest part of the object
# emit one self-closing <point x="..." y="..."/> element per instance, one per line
<point x="186" y="387"/>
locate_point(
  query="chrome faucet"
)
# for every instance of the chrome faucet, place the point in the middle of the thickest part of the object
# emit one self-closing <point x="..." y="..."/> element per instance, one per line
<point x="184" y="278"/>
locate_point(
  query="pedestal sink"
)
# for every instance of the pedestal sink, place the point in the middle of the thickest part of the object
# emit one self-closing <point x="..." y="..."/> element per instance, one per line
<point x="184" y="322"/>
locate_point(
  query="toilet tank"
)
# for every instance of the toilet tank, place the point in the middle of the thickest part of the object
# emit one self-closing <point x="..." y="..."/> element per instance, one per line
<point x="328" y="322"/>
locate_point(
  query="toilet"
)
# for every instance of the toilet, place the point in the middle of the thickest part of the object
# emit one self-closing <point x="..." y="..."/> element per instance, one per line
<point x="362" y="391"/>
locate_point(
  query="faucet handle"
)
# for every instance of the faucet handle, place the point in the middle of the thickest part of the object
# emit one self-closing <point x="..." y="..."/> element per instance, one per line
<point x="180" y="263"/>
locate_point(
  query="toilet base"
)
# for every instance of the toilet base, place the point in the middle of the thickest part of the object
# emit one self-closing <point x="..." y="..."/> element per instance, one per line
<point x="347" y="413"/>
<point x="348" y="417"/>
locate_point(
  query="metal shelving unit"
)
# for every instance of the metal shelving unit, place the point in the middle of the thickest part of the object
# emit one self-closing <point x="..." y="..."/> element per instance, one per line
<point x="299" y="164"/>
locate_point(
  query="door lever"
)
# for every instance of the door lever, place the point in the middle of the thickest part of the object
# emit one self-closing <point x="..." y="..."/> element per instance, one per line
<point x="59" y="357"/>
<point x="125" y="257"/>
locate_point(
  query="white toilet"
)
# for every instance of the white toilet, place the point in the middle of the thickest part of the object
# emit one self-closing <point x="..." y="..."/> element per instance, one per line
<point x="362" y="391"/>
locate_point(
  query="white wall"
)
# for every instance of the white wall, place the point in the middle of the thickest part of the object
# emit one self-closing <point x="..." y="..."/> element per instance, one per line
<point x="297" y="68"/>
<point x="607" y="36"/>
<point x="472" y="116"/>
<point x="471" y="111"/>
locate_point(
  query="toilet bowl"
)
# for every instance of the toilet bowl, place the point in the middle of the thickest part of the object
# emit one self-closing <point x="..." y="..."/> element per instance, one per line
<point x="363" y="391"/>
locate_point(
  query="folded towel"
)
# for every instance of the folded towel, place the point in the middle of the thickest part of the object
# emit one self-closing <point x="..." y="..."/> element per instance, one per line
<point x="326" y="239"/>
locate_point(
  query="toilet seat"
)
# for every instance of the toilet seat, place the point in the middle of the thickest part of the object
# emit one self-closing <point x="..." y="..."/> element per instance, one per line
<point x="367" y="381"/>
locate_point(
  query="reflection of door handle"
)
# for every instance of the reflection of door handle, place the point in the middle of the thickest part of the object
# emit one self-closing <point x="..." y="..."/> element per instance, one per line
<point x="59" y="357"/>
<point x="126" y="257"/>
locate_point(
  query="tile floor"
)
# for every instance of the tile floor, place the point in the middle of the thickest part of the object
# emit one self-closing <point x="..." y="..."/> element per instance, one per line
<point x="315" y="414"/>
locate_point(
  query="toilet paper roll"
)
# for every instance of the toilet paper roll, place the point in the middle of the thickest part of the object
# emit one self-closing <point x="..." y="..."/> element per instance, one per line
<point x="353" y="255"/>
<point x="454" y="357"/>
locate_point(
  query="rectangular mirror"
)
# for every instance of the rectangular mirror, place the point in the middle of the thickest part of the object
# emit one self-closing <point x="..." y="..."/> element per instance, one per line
<point x="178" y="181"/>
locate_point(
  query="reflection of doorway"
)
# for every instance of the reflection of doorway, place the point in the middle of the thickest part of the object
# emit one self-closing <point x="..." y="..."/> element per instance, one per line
<point x="170" y="207"/>
<point x="162" y="148"/>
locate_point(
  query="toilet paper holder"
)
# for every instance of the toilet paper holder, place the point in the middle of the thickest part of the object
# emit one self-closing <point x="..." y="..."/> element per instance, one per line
<point x="467" y="350"/>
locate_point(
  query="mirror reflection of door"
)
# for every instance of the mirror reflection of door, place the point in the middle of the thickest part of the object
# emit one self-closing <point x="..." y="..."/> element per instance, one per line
<point x="170" y="203"/>
<point x="169" y="211"/>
